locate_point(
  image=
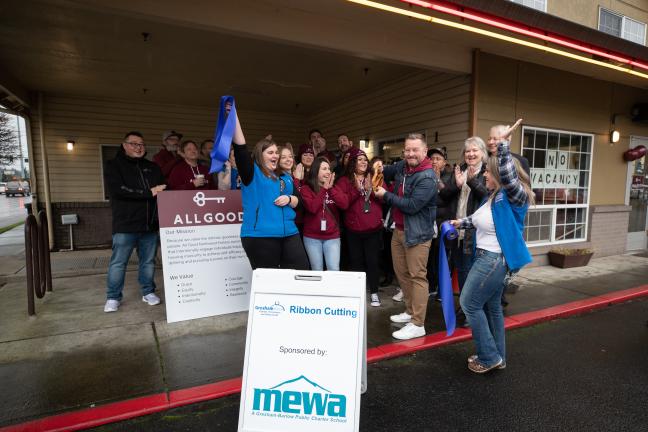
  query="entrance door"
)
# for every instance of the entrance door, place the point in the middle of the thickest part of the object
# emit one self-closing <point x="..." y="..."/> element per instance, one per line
<point x="638" y="199"/>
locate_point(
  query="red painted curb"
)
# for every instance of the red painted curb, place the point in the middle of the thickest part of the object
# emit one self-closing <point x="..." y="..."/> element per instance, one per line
<point x="204" y="392"/>
<point x="123" y="410"/>
<point x="93" y="417"/>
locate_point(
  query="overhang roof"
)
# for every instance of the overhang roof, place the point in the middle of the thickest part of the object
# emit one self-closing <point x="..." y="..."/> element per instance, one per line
<point x="557" y="25"/>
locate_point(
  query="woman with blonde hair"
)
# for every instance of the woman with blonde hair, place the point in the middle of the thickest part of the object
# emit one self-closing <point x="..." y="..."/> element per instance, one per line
<point x="465" y="193"/>
<point x="499" y="227"/>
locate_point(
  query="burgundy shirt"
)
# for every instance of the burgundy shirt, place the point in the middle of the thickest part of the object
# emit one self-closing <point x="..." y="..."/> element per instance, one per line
<point x="183" y="174"/>
<point x="314" y="212"/>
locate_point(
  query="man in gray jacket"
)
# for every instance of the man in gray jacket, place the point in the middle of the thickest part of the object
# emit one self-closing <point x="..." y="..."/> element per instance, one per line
<point x="414" y="212"/>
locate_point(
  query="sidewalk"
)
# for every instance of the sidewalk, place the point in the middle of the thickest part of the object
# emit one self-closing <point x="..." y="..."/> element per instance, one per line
<point x="72" y="355"/>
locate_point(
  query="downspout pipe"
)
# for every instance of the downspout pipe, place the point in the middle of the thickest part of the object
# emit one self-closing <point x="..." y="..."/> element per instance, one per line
<point x="46" y="181"/>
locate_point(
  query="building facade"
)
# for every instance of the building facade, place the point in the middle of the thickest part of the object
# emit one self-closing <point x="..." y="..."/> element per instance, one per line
<point x="373" y="70"/>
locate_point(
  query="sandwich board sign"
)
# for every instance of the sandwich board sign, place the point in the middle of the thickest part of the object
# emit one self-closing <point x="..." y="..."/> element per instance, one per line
<point x="206" y="270"/>
<point x="304" y="352"/>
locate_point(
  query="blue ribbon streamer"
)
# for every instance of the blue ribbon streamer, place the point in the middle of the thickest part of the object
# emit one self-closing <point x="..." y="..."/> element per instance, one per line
<point x="448" y="232"/>
<point x="223" y="137"/>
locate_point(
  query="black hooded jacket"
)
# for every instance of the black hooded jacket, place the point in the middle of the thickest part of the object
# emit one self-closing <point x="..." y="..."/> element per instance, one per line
<point x="129" y="180"/>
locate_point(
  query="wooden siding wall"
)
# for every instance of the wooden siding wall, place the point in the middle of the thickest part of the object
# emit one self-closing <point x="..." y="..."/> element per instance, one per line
<point x="76" y="176"/>
<point x="423" y="101"/>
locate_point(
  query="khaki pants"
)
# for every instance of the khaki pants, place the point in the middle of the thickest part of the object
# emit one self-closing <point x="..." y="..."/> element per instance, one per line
<point x="410" y="266"/>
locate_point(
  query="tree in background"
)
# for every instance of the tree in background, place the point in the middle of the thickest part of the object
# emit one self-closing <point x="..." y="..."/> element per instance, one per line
<point x="9" y="150"/>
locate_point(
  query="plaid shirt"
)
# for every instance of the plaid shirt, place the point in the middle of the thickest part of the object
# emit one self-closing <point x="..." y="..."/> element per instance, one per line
<point x="509" y="180"/>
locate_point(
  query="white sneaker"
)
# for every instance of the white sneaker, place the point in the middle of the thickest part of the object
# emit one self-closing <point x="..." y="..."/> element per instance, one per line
<point x="399" y="296"/>
<point x="401" y="318"/>
<point x="151" y="299"/>
<point x="410" y="331"/>
<point x="111" y="305"/>
<point x="375" y="301"/>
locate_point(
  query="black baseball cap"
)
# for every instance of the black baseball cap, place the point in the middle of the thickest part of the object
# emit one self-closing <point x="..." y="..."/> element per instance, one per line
<point x="437" y="150"/>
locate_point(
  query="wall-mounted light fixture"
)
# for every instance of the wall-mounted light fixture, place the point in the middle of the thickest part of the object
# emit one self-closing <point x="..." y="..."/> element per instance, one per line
<point x="70" y="145"/>
<point x="615" y="135"/>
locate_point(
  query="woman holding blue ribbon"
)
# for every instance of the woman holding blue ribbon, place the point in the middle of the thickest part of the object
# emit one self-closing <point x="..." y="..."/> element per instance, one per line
<point x="499" y="224"/>
<point x="269" y="235"/>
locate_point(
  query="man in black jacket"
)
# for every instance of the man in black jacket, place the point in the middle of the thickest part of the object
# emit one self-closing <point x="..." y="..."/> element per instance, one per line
<point x="133" y="183"/>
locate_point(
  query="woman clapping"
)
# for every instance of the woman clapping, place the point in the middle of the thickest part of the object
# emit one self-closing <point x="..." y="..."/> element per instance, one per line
<point x="321" y="216"/>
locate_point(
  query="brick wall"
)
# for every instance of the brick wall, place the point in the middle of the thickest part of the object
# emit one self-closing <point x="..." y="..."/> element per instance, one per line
<point x="609" y="229"/>
<point x="94" y="228"/>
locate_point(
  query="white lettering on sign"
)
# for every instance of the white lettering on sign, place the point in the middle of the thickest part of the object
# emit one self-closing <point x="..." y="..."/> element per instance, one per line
<point x="207" y="218"/>
<point x="549" y="178"/>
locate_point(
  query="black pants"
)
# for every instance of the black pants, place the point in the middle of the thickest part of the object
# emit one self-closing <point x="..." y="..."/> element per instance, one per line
<point x="276" y="252"/>
<point x="364" y="255"/>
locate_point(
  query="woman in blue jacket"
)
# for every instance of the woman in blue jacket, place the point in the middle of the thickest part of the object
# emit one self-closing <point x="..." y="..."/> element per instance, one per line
<point x="499" y="224"/>
<point x="269" y="235"/>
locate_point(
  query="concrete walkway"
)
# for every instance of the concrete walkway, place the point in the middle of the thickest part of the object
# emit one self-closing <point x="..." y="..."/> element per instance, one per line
<point x="72" y="355"/>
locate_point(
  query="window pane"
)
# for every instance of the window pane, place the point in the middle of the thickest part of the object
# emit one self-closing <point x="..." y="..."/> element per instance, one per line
<point x="634" y="30"/>
<point x="540" y="5"/>
<point x="552" y="143"/>
<point x="610" y="23"/>
<point x="586" y="144"/>
<point x="539" y="158"/>
<point x="564" y="142"/>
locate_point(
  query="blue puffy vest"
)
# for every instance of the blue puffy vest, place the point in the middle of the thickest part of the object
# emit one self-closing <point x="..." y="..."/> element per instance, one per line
<point x="261" y="217"/>
<point x="509" y="228"/>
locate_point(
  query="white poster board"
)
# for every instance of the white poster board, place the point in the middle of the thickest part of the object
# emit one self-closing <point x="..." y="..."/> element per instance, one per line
<point x="304" y="352"/>
<point x="206" y="270"/>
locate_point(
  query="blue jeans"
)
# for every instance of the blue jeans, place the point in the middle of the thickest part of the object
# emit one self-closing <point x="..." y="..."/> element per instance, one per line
<point x="481" y="302"/>
<point x="320" y="250"/>
<point x="122" y="248"/>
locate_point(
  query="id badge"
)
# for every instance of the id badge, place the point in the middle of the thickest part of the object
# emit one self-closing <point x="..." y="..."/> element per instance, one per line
<point x="365" y="209"/>
<point x="323" y="225"/>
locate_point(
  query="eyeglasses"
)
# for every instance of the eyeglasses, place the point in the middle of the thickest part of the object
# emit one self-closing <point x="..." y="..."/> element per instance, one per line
<point x="135" y="144"/>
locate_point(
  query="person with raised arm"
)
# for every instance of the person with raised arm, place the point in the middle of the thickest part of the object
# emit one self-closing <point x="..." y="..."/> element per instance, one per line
<point x="499" y="225"/>
<point x="268" y="234"/>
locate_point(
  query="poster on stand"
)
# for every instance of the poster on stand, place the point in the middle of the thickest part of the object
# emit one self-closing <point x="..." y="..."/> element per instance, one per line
<point x="304" y="352"/>
<point x="206" y="271"/>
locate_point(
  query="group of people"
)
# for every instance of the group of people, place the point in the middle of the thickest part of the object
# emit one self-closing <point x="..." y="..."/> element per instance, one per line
<point x="321" y="209"/>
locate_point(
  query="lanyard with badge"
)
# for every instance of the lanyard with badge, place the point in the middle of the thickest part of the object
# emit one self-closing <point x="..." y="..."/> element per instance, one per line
<point x="324" y="208"/>
<point x="366" y="196"/>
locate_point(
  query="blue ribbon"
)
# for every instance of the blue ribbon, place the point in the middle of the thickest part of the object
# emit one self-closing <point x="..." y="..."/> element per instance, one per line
<point x="448" y="232"/>
<point x="223" y="137"/>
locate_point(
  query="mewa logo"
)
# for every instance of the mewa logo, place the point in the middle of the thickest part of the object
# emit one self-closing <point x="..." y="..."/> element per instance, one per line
<point x="281" y="400"/>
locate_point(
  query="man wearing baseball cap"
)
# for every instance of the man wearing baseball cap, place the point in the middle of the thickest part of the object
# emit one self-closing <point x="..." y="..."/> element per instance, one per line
<point x="167" y="157"/>
<point x="444" y="212"/>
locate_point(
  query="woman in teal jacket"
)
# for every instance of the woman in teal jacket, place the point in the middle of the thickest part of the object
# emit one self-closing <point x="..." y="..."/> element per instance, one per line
<point x="499" y="224"/>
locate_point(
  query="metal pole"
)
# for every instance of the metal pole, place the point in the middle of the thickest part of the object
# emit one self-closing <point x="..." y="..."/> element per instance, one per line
<point x="46" y="186"/>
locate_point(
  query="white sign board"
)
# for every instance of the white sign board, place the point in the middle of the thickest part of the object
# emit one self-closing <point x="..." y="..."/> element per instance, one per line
<point x="304" y="352"/>
<point x="556" y="173"/>
<point x="206" y="270"/>
<point x="549" y="178"/>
